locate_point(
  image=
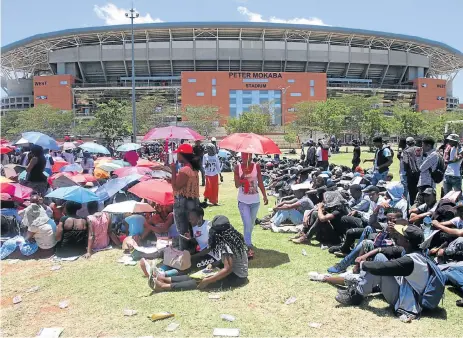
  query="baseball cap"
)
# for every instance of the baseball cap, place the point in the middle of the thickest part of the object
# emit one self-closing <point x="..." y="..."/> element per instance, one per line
<point x="429" y="191"/>
<point x="371" y="188"/>
<point x="184" y="149"/>
<point x="381" y="184"/>
<point x="409" y="140"/>
<point x="412" y="233"/>
<point x="453" y="137"/>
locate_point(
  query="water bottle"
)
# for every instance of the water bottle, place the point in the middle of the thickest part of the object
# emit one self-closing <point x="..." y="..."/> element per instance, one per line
<point x="427" y="224"/>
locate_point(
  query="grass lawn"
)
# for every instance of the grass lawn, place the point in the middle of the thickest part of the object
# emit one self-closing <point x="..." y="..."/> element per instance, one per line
<point x="100" y="289"/>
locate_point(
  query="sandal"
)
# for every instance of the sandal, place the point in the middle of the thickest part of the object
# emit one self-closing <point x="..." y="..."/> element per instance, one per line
<point x="301" y="240"/>
<point x="250" y="253"/>
<point x="298" y="235"/>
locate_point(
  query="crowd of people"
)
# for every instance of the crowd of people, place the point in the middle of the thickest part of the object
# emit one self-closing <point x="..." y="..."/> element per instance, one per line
<point x="397" y="236"/>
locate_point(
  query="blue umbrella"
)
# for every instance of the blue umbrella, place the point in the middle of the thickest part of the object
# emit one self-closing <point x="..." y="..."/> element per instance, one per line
<point x="23" y="175"/>
<point x="96" y="148"/>
<point x="75" y="167"/>
<point x="128" y="147"/>
<point x="111" y="187"/>
<point x="224" y="153"/>
<point x="45" y="141"/>
<point x="75" y="194"/>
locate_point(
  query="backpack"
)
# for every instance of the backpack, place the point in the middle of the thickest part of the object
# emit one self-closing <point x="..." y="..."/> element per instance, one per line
<point x="435" y="287"/>
<point x="437" y="175"/>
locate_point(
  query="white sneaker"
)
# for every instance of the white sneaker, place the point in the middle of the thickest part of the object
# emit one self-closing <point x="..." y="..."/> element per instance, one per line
<point x="318" y="277"/>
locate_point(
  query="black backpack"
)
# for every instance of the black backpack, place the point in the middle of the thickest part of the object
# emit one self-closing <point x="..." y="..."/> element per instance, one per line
<point x="437" y="175"/>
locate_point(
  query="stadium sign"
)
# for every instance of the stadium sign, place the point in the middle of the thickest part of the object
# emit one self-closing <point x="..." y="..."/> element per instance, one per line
<point x="256" y="75"/>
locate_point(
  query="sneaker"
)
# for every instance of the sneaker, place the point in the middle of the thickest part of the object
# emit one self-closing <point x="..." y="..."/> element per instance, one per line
<point x="334" y="249"/>
<point x="340" y="254"/>
<point x="349" y="297"/>
<point x="337" y="268"/>
<point x="318" y="277"/>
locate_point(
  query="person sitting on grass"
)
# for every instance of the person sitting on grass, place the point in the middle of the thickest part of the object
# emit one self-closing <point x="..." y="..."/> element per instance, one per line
<point x="71" y="232"/>
<point x="292" y="210"/>
<point x="224" y="241"/>
<point x="160" y="222"/>
<point x="426" y="209"/>
<point x="99" y="231"/>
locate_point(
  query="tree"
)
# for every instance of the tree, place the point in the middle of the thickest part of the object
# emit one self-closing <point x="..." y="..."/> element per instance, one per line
<point x="434" y="123"/>
<point x="152" y="111"/>
<point x="202" y="119"/>
<point x="357" y="106"/>
<point x="305" y="118"/>
<point x="375" y="123"/>
<point x="291" y="133"/>
<point x="330" y="116"/>
<point x="84" y="127"/>
<point x="406" y="122"/>
<point x="42" y="118"/>
<point x="111" y="120"/>
<point x="249" y="122"/>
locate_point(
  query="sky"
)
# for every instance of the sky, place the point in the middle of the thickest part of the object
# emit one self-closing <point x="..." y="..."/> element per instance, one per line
<point x="440" y="21"/>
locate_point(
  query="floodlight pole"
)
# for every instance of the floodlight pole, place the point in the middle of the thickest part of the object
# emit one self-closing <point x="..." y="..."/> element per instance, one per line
<point x="133" y="15"/>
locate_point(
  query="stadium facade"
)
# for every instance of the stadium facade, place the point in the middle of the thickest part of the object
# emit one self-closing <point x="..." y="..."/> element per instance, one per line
<point x="228" y="65"/>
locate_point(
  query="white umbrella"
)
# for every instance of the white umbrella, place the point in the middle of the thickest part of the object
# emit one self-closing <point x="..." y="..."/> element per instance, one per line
<point x="22" y="141"/>
<point x="93" y="147"/>
<point x="109" y="166"/>
<point x="129" y="207"/>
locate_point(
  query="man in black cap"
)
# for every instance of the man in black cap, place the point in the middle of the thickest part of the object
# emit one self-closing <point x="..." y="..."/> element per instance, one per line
<point x="426" y="209"/>
<point x="411" y="270"/>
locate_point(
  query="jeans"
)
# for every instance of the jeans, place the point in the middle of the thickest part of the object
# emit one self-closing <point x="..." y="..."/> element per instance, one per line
<point x="180" y="283"/>
<point x="282" y="215"/>
<point x="455" y="276"/>
<point x="412" y="186"/>
<point x="452" y="183"/>
<point x="350" y="258"/>
<point x="377" y="176"/>
<point x="248" y="214"/>
<point x="182" y="207"/>
<point x="388" y="284"/>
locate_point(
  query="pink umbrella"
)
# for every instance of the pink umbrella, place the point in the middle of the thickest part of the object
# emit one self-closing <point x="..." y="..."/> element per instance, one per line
<point x="16" y="190"/>
<point x="157" y="191"/>
<point x="126" y="171"/>
<point x="181" y="133"/>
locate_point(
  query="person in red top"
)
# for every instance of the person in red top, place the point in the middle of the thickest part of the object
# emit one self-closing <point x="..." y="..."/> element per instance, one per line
<point x="160" y="222"/>
<point x="131" y="157"/>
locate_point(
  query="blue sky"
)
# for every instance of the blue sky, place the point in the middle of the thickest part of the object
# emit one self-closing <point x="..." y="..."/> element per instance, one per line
<point x="441" y="21"/>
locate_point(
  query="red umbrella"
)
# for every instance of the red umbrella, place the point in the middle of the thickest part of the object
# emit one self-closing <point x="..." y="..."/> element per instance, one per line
<point x="157" y="191"/>
<point x="59" y="163"/>
<point x="126" y="171"/>
<point x="172" y="132"/>
<point x="147" y="164"/>
<point x="5" y="150"/>
<point x="250" y="143"/>
<point x="4" y="141"/>
<point x="83" y="178"/>
<point x="16" y="190"/>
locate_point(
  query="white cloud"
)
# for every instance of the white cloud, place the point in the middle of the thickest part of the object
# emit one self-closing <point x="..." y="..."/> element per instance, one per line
<point x="256" y="17"/>
<point x="113" y="15"/>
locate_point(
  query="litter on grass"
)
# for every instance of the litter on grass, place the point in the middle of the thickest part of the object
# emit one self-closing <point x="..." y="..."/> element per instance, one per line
<point x="33" y="289"/>
<point x="172" y="327"/>
<point x="63" y="304"/>
<point x="17" y="299"/>
<point x="304" y="253"/>
<point x="218" y="332"/>
<point x="228" y="318"/>
<point x="290" y="300"/>
<point x="55" y="268"/>
<point x="215" y="296"/>
<point x="315" y="325"/>
<point x="160" y="316"/>
<point x="50" y="332"/>
<point x="128" y="312"/>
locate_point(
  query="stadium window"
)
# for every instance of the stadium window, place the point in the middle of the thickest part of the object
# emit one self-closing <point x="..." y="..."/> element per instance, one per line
<point x="200" y="94"/>
<point x="312" y="91"/>
<point x="63" y="82"/>
<point x="214" y="82"/>
<point x="232" y="92"/>
<point x="312" y="83"/>
<point x="192" y="80"/>
<point x="233" y="111"/>
<point x="291" y="81"/>
<point x="232" y="100"/>
<point x="295" y="94"/>
<point x="247" y="100"/>
<point x="214" y="91"/>
<point x="247" y="92"/>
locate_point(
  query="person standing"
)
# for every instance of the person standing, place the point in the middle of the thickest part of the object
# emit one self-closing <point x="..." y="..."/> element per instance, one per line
<point x="311" y="155"/>
<point x="323" y="154"/>
<point x="198" y="151"/>
<point x="411" y="161"/>
<point x="87" y="163"/>
<point x="452" y="178"/>
<point x="356" y="155"/>
<point x="248" y="180"/>
<point x="211" y="164"/>
<point x="36" y="179"/>
<point x="382" y="161"/>
<point x="214" y="142"/>
<point x="48" y="162"/>
<point x="185" y="184"/>
<point x="68" y="156"/>
<point x="429" y="164"/>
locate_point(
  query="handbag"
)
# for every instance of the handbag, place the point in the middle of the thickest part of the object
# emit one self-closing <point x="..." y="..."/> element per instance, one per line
<point x="177" y="259"/>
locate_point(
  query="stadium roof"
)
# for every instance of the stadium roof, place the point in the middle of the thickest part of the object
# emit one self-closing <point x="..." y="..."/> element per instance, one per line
<point x="31" y="54"/>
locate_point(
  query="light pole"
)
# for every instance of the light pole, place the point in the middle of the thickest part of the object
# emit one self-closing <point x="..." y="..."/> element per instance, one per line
<point x="283" y="104"/>
<point x="133" y="15"/>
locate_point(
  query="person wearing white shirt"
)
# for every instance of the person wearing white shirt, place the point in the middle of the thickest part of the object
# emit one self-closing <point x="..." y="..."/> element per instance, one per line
<point x="68" y="156"/>
<point x="211" y="164"/>
<point x="452" y="177"/>
<point x="87" y="163"/>
<point x="323" y="154"/>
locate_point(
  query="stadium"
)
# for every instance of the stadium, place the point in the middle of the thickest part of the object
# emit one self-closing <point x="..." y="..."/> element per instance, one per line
<point x="228" y="65"/>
